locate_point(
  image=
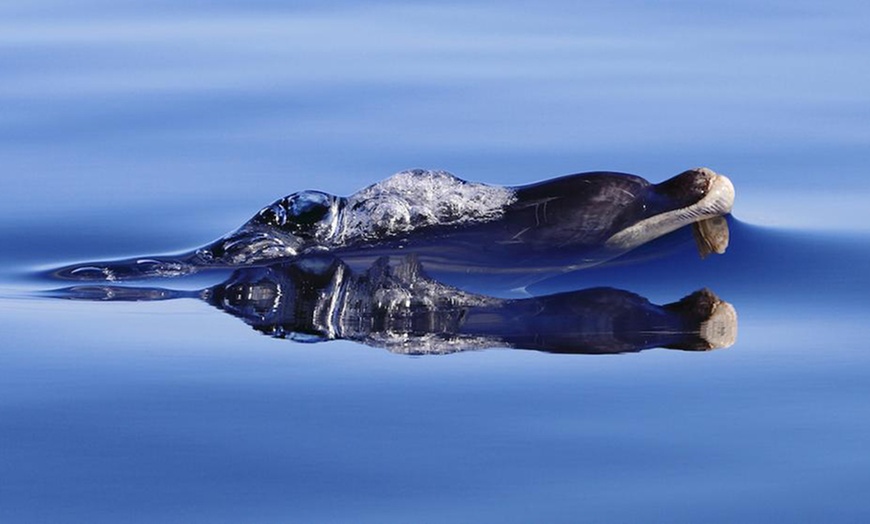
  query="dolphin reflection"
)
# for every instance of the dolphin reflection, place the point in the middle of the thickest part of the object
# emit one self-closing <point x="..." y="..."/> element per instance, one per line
<point x="394" y="304"/>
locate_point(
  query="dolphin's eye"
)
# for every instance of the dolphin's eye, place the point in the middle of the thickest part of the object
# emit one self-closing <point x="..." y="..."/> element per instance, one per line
<point x="297" y="213"/>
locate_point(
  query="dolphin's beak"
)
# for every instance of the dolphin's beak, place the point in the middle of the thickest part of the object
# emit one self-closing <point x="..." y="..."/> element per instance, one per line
<point x="720" y="196"/>
<point x="716" y="199"/>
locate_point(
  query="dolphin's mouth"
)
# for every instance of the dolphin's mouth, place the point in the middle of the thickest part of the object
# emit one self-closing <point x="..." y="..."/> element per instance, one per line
<point x="717" y="201"/>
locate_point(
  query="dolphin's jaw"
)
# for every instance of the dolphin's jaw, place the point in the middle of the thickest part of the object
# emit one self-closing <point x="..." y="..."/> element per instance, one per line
<point x="718" y="201"/>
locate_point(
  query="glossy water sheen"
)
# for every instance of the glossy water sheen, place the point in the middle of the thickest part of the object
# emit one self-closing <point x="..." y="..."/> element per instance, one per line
<point x="154" y="127"/>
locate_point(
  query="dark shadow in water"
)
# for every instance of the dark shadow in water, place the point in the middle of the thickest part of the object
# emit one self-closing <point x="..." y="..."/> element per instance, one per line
<point x="394" y="304"/>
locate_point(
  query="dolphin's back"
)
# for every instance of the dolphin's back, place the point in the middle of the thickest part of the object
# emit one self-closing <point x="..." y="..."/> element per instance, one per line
<point x="581" y="210"/>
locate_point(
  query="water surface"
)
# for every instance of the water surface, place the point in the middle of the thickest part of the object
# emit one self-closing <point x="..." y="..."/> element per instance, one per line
<point x="142" y="128"/>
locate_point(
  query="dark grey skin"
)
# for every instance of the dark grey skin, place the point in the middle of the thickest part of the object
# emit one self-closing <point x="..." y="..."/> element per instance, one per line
<point x="394" y="304"/>
<point x="557" y="225"/>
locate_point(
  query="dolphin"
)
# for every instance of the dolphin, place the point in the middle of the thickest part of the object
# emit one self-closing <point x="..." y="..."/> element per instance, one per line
<point x="453" y="225"/>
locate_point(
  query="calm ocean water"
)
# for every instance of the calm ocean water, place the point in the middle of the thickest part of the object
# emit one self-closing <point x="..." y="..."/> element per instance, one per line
<point x="139" y="128"/>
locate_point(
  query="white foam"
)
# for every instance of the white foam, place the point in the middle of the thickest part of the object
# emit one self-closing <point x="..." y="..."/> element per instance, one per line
<point x="419" y="198"/>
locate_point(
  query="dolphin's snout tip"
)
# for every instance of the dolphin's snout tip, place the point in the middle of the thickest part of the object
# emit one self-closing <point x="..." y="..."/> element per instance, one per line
<point x="720" y="191"/>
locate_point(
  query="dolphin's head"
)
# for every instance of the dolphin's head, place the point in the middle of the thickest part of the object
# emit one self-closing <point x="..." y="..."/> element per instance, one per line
<point x="699" y="192"/>
<point x="692" y="196"/>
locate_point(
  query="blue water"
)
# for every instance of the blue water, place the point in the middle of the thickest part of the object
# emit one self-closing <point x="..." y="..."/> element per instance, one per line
<point x="144" y="128"/>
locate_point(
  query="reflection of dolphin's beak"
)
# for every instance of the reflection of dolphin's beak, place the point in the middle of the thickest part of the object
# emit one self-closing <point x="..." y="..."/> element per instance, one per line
<point x="720" y="329"/>
<point x="713" y="321"/>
